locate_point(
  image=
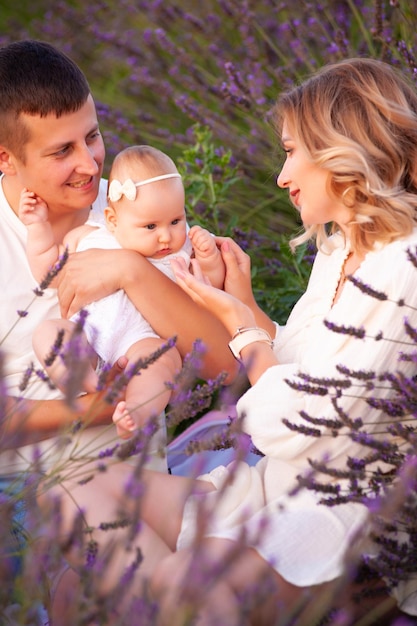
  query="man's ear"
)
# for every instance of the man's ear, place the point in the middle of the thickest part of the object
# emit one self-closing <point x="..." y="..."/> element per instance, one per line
<point x="110" y="216"/>
<point x="7" y="162"/>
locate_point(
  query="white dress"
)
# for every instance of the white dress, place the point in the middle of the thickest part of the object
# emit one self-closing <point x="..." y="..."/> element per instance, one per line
<point x="113" y="324"/>
<point x="304" y="541"/>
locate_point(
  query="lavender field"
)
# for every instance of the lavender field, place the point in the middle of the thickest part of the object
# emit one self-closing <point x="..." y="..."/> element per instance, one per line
<point x="198" y="80"/>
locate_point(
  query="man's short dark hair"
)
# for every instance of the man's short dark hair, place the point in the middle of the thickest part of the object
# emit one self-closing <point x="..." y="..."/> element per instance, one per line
<point x="36" y="79"/>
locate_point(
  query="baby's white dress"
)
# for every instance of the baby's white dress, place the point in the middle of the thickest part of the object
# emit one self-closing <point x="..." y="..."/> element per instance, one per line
<point x="113" y="324"/>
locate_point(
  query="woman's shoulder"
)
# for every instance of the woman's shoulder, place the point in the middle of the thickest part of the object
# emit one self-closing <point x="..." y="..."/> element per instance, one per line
<point x="411" y="239"/>
<point x="398" y="250"/>
<point x="393" y="266"/>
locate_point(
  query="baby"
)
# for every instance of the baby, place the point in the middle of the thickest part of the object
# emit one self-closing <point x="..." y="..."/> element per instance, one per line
<point x="145" y="213"/>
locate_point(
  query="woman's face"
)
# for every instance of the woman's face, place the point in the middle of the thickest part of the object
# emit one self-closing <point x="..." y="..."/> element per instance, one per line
<point x="309" y="185"/>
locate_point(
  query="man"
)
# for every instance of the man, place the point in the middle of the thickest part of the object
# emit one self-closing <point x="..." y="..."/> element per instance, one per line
<point x="50" y="143"/>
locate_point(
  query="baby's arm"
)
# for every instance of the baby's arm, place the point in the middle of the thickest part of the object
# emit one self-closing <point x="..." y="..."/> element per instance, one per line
<point x="41" y="249"/>
<point x="208" y="255"/>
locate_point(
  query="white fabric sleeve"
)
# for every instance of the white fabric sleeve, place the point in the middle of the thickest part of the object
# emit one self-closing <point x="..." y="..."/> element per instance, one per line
<point x="319" y="350"/>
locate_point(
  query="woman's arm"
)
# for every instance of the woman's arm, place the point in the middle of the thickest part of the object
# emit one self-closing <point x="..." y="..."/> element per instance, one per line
<point x="238" y="281"/>
<point x="94" y="274"/>
<point x="256" y="357"/>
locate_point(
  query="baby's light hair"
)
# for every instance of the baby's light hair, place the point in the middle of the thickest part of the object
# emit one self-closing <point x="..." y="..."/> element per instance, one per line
<point x="140" y="163"/>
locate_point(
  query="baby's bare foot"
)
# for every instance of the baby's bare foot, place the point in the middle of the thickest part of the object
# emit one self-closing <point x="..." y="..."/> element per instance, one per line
<point x="123" y="420"/>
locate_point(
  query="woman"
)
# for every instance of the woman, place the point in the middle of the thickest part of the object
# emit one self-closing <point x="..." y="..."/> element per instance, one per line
<point x="237" y="545"/>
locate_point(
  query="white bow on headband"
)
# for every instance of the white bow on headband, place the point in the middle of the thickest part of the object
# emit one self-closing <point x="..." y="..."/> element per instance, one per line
<point x="128" y="188"/>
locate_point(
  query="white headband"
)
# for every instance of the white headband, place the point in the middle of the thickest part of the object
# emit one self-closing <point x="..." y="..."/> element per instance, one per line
<point x="128" y="188"/>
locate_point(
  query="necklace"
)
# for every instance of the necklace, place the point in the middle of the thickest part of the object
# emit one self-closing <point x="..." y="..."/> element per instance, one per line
<point x="343" y="275"/>
<point x="343" y="278"/>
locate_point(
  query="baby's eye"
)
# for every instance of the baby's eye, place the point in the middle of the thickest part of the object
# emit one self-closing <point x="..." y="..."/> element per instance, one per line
<point x="151" y="226"/>
<point x="175" y="222"/>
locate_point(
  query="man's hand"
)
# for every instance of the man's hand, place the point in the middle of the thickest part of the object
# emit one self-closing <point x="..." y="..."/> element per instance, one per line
<point x="91" y="275"/>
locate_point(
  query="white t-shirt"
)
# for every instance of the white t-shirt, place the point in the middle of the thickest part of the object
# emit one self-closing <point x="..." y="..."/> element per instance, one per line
<point x="16" y="288"/>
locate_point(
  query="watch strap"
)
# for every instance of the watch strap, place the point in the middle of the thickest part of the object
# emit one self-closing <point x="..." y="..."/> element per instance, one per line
<point x="245" y="336"/>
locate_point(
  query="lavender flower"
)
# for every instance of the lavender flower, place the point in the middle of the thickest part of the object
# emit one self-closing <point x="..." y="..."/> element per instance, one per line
<point x="223" y="64"/>
<point x="360" y="333"/>
<point x="52" y="273"/>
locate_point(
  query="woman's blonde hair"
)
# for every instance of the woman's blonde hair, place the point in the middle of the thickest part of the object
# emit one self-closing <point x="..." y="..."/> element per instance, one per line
<point x="358" y="120"/>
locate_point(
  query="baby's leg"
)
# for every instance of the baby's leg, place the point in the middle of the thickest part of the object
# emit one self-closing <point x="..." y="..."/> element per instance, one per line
<point x="44" y="339"/>
<point x="146" y="393"/>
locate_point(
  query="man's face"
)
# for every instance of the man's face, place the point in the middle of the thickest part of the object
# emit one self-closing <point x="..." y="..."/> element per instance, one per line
<point x="64" y="159"/>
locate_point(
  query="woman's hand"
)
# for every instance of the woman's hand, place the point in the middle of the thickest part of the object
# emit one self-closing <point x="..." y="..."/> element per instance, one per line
<point x="227" y="308"/>
<point x="258" y="356"/>
<point x="238" y="282"/>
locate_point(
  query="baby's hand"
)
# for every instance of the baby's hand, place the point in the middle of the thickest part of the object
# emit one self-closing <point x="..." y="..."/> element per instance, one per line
<point x="32" y="209"/>
<point x="203" y="242"/>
